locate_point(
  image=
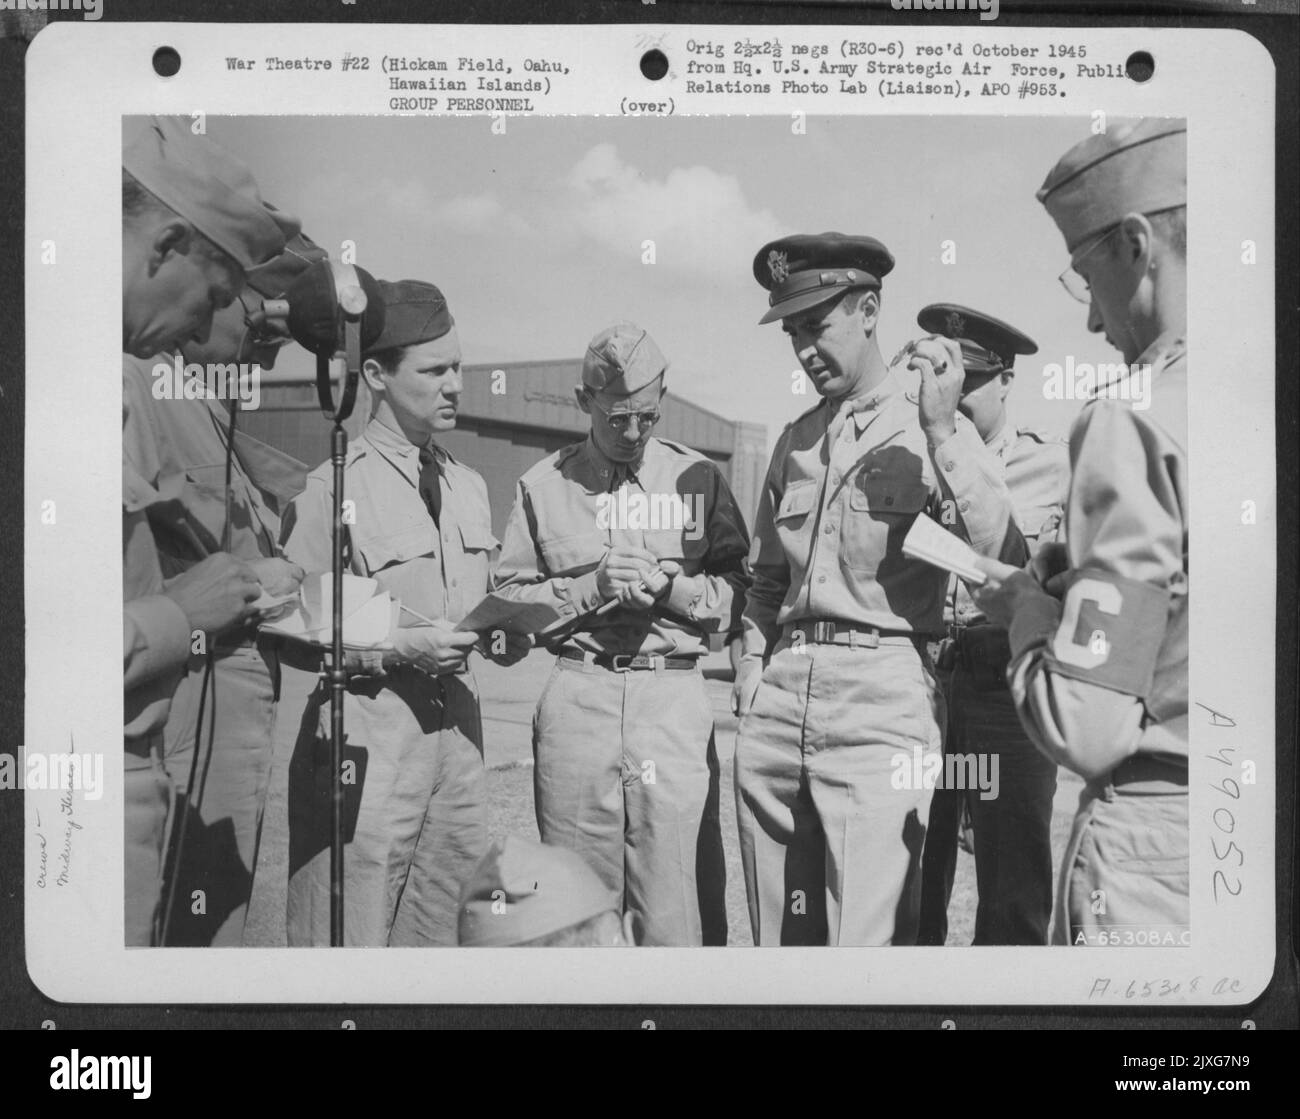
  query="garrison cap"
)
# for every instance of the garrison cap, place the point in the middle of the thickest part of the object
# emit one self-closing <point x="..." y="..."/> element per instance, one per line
<point x="523" y="890"/>
<point x="273" y="278"/>
<point x="414" y="312"/>
<point x="622" y="359"/>
<point x="205" y="185"/>
<point x="988" y="345"/>
<point x="809" y="268"/>
<point x="1137" y="166"/>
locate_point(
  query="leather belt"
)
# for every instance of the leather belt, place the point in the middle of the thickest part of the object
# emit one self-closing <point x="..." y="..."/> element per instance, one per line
<point x="307" y="657"/>
<point x="245" y="637"/>
<point x="299" y="654"/>
<point x="619" y="662"/>
<point x="825" y="631"/>
<point x="1164" y="769"/>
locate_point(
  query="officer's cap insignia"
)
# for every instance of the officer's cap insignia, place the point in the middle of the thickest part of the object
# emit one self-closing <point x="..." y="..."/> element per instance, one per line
<point x="955" y="325"/>
<point x="777" y="263"/>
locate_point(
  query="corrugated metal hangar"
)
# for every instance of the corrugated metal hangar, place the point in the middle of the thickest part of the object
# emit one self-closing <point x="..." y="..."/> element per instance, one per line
<point x="501" y="433"/>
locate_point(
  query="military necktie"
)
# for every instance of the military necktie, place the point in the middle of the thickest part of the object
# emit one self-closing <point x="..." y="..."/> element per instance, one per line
<point x="621" y="473"/>
<point x="846" y="409"/>
<point x="431" y="483"/>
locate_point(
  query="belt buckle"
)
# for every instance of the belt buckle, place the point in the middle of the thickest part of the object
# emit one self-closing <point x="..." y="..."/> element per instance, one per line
<point x="621" y="662"/>
<point x="823" y="633"/>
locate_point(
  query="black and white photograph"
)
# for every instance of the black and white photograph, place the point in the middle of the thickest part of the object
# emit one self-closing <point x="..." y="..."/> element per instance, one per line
<point x="678" y="578"/>
<point x="765" y="526"/>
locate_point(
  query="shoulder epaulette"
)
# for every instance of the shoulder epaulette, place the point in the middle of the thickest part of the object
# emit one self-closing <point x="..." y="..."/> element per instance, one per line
<point x="550" y="464"/>
<point x="682" y="449"/>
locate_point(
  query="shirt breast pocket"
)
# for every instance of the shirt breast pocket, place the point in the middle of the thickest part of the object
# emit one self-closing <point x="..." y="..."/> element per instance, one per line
<point x="204" y="491"/>
<point x="573" y="555"/>
<point x="380" y="552"/>
<point x="881" y="510"/>
<point x="686" y="545"/>
<point x="794" y="517"/>
<point x="477" y="537"/>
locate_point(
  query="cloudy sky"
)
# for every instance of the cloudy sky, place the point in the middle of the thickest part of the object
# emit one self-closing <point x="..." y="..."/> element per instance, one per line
<point x="536" y="236"/>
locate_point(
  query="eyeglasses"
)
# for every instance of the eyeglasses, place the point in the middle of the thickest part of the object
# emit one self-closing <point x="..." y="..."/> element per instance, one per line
<point x="618" y="420"/>
<point x="1076" y="285"/>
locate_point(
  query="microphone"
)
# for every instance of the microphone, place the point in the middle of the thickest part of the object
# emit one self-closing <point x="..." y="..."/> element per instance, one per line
<point x="335" y="311"/>
<point x="325" y="297"/>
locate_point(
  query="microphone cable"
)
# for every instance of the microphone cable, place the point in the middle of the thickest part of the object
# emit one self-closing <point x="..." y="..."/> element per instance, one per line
<point x="207" y="689"/>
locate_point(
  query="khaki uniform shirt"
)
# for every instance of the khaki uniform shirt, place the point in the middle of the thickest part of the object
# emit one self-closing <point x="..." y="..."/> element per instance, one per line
<point x="1036" y="468"/>
<point x="841" y="493"/>
<point x="439" y="571"/>
<point x="1103" y="675"/>
<point x="573" y="506"/>
<point x="179" y="447"/>
<point x="155" y="631"/>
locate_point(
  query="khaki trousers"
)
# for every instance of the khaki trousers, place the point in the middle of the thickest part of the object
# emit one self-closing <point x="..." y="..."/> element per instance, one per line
<point x="1124" y="877"/>
<point x="147" y="799"/>
<point x="214" y="880"/>
<point x="414" y="819"/>
<point x="831" y="810"/>
<point x="626" y="773"/>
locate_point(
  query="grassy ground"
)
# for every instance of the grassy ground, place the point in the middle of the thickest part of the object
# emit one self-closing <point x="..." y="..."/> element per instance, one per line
<point x="509" y="697"/>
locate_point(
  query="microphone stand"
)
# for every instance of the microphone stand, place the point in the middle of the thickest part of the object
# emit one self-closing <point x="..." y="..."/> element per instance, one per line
<point x="347" y="361"/>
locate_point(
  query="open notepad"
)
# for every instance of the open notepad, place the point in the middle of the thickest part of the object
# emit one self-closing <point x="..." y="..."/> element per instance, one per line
<point x="369" y="614"/>
<point x="494" y="612"/>
<point x="927" y="541"/>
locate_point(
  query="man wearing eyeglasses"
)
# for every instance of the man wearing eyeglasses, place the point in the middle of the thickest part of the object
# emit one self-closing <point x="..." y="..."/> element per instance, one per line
<point x="638" y="542"/>
<point x="178" y="442"/>
<point x="1099" y="633"/>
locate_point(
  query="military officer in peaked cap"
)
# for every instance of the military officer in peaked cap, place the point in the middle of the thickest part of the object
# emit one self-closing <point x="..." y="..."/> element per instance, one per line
<point x="627" y="770"/>
<point x="1099" y="649"/>
<point x="836" y="690"/>
<point x="1013" y="820"/>
<point x="422" y="531"/>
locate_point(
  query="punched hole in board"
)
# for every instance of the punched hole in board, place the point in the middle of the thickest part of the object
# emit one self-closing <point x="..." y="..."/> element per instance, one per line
<point x="166" y="61"/>
<point x="654" y="64"/>
<point x="1140" y="66"/>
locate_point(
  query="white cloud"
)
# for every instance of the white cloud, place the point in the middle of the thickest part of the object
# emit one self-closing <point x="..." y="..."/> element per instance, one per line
<point x="413" y="204"/>
<point x="468" y="213"/>
<point x="699" y="219"/>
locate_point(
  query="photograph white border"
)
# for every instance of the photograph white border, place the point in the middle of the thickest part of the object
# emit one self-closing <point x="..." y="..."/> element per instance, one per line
<point x="83" y="78"/>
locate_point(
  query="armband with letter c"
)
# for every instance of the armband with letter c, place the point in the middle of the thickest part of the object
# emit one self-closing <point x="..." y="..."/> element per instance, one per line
<point x="1111" y="631"/>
